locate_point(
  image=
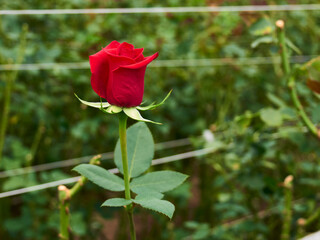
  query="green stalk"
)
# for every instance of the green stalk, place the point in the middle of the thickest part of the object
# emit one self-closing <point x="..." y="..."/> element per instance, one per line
<point x="65" y="196"/>
<point x="300" y="228"/>
<point x="123" y="143"/>
<point x="8" y="89"/>
<point x="5" y="114"/>
<point x="288" y="189"/>
<point x="291" y="80"/>
<point x="35" y="144"/>
<point x="315" y="216"/>
<point x="304" y="223"/>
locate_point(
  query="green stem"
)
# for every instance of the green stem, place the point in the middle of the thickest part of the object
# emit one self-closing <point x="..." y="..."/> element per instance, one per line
<point x="8" y="90"/>
<point x="35" y="144"/>
<point x="313" y="217"/>
<point x="300" y="229"/>
<point x="291" y="81"/>
<point x="65" y="196"/>
<point x="288" y="189"/>
<point x="64" y="212"/>
<point x="123" y="143"/>
<point x="5" y="114"/>
<point x="304" y="223"/>
<point x="132" y="227"/>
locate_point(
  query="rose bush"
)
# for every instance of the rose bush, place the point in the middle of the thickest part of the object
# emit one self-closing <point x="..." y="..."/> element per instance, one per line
<point x="118" y="72"/>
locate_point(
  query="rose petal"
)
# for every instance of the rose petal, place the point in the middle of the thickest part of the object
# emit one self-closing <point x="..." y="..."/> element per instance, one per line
<point x="100" y="72"/>
<point x="139" y="58"/>
<point x="112" y="51"/>
<point x="144" y="62"/>
<point x="113" y="44"/>
<point x="137" y="52"/>
<point x="127" y="86"/>
<point x="117" y="61"/>
<point x="125" y="49"/>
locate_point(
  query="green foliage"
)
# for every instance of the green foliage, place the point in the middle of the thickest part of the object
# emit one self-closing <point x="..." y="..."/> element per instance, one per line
<point x="116" y="202"/>
<point x="159" y="181"/>
<point x="155" y="204"/>
<point x="78" y="224"/>
<point x="205" y="97"/>
<point x="149" y="187"/>
<point x="271" y="117"/>
<point x="140" y="148"/>
<point x="264" y="39"/>
<point x="201" y="230"/>
<point x="101" y="177"/>
<point x="262" y="27"/>
<point x="147" y="193"/>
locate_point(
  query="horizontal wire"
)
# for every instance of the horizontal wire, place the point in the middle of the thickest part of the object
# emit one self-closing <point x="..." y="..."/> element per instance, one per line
<point x="161" y="63"/>
<point x="74" y="161"/>
<point x="247" y="8"/>
<point x="104" y="156"/>
<point x="158" y="161"/>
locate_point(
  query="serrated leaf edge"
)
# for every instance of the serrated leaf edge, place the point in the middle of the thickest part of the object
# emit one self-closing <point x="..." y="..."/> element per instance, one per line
<point x="170" y="217"/>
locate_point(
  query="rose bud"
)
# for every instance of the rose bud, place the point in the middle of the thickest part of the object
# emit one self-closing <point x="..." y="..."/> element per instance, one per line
<point x="118" y="72"/>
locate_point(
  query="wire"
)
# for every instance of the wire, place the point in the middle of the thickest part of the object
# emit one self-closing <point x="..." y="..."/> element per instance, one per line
<point x="247" y="8"/>
<point x="158" y="161"/>
<point x="74" y="161"/>
<point x="104" y="156"/>
<point x="161" y="63"/>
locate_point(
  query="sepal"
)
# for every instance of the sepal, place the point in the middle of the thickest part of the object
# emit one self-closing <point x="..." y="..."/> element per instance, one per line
<point x="113" y="109"/>
<point x="132" y="112"/>
<point x="153" y="105"/>
<point x="135" y="114"/>
<point x="94" y="104"/>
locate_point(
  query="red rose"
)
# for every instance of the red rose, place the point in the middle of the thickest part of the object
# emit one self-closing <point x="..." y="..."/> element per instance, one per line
<point x="118" y="73"/>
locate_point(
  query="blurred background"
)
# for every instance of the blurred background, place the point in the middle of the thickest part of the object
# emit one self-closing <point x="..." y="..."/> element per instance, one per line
<point x="229" y="95"/>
